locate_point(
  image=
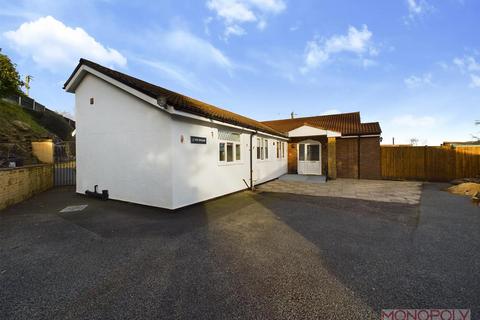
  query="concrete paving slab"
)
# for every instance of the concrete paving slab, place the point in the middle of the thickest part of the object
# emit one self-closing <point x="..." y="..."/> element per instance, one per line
<point x="379" y="190"/>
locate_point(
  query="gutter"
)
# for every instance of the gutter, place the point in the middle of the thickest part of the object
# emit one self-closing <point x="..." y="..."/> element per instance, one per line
<point x="170" y="109"/>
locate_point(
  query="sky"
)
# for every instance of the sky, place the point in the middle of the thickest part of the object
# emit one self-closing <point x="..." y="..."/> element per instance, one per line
<point x="412" y="65"/>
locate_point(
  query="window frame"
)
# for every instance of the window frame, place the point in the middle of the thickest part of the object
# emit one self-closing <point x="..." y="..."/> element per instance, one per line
<point x="258" y="148"/>
<point x="234" y="145"/>
<point x="266" y="149"/>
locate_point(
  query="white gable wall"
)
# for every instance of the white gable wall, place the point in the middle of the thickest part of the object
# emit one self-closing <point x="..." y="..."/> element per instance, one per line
<point x="123" y="145"/>
<point x="308" y="131"/>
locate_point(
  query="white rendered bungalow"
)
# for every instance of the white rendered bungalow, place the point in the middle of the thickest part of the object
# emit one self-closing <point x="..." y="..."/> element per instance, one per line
<point x="152" y="146"/>
<point x="148" y="145"/>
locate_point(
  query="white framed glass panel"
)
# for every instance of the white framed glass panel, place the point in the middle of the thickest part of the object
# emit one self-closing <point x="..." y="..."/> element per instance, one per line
<point x="229" y="152"/>
<point x="221" y="151"/>
<point x="266" y="149"/>
<point x="262" y="149"/>
<point x="237" y="152"/>
<point x="258" y="148"/>
<point x="313" y="152"/>
<point x="301" y="152"/>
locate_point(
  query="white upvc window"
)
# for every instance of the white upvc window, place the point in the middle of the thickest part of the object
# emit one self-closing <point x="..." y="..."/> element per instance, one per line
<point x="229" y="147"/>
<point x="283" y="149"/>
<point x="266" y="149"/>
<point x="262" y="149"/>
<point x="259" y="149"/>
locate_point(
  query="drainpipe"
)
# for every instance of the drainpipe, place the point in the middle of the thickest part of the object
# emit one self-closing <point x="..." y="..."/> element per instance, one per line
<point x="251" y="160"/>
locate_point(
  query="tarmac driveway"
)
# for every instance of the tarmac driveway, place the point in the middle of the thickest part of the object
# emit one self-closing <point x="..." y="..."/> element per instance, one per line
<point x="248" y="255"/>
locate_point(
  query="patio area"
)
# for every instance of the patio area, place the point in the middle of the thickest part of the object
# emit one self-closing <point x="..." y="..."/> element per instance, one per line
<point x="408" y="192"/>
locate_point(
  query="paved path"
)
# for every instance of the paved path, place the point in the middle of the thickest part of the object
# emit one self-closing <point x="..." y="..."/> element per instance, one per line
<point x="376" y="190"/>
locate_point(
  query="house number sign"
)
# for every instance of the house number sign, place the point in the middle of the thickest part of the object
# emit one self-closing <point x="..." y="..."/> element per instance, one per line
<point x="198" y="140"/>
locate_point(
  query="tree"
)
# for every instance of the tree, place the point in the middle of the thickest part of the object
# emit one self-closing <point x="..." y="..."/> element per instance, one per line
<point x="414" y="141"/>
<point x="10" y="82"/>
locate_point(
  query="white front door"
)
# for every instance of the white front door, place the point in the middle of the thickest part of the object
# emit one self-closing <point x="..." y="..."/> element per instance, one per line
<point x="309" y="158"/>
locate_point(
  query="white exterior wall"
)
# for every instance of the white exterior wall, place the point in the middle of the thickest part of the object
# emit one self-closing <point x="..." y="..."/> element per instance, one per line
<point x="134" y="150"/>
<point x="273" y="167"/>
<point x="198" y="173"/>
<point x="123" y="145"/>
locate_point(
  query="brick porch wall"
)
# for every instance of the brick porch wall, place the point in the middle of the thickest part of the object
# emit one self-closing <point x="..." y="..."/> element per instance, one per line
<point x="348" y="158"/>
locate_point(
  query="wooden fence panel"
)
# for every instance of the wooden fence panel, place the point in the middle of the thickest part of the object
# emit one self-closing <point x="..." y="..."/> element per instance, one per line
<point x="468" y="161"/>
<point x="429" y="163"/>
<point x="403" y="162"/>
<point x="440" y="164"/>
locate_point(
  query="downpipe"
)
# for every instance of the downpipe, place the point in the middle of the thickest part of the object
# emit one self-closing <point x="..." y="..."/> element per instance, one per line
<point x="95" y="194"/>
<point x="252" y="187"/>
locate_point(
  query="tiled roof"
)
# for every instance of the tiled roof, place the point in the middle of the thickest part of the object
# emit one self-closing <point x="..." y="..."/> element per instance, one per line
<point x="179" y="101"/>
<point x="347" y="124"/>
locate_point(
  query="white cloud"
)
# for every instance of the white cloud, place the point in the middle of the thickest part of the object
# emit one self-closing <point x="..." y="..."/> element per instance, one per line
<point x="414" y="7"/>
<point x="409" y="120"/>
<point x="262" y="24"/>
<point x="467" y="64"/>
<point x="475" y="81"/>
<point x="183" y="77"/>
<point x="357" y="41"/>
<point x="234" y="30"/>
<point x="197" y="50"/>
<point x="418" y="81"/>
<point x="368" y="63"/>
<point x="237" y="12"/>
<point x="55" y="46"/>
<point x="295" y="27"/>
<point x="417" y="8"/>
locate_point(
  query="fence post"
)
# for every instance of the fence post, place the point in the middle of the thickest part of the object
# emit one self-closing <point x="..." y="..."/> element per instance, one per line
<point x="33" y="105"/>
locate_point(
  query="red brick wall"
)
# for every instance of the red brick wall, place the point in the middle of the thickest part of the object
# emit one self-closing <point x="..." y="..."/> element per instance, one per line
<point x="292" y="157"/>
<point x="347" y="157"/>
<point x="370" y="167"/>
